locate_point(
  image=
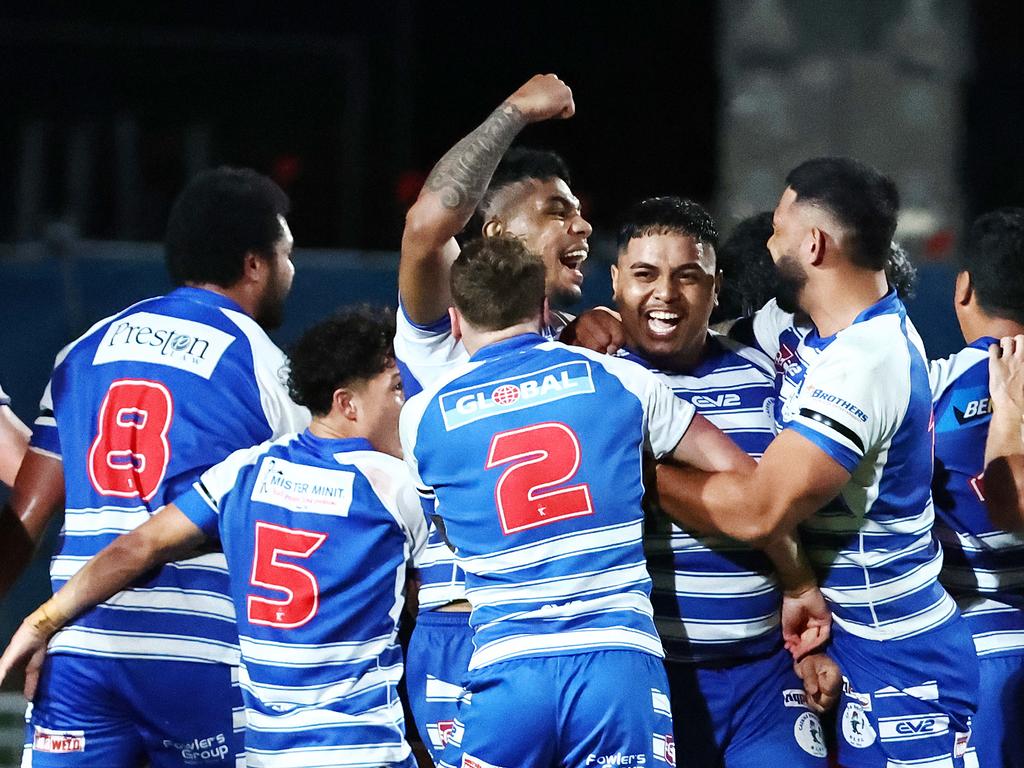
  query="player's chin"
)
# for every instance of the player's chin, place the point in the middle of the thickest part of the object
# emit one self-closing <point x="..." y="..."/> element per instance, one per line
<point x="566" y="293"/>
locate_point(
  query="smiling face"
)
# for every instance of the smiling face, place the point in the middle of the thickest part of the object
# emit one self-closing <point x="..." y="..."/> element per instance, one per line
<point x="546" y="216"/>
<point x="380" y="400"/>
<point x="665" y="287"/>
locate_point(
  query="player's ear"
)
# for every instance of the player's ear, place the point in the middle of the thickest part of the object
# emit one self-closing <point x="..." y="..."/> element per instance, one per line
<point x="963" y="289"/>
<point x="615" y="280"/>
<point x="493" y="228"/>
<point x="343" y="404"/>
<point x="815" y="243"/>
<point x="456" y="319"/>
<point x="252" y="266"/>
<point x="718" y="285"/>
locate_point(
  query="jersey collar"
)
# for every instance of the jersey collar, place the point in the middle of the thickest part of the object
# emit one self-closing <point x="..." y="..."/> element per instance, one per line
<point x="508" y="346"/>
<point x="887" y="305"/>
<point x="983" y="343"/>
<point x="203" y="296"/>
<point x="335" y="444"/>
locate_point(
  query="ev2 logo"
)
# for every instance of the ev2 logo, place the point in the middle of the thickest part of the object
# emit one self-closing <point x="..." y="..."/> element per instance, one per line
<point x="707" y="402"/>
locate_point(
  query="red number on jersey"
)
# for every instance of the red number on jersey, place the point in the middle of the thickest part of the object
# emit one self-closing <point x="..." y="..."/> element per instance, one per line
<point x="130" y="454"/>
<point x="978" y="485"/>
<point x="300" y="586"/>
<point x="544" y="456"/>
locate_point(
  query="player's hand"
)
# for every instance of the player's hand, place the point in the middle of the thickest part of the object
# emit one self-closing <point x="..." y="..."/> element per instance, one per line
<point x="806" y="621"/>
<point x="1006" y="374"/>
<point x="26" y="649"/>
<point x="823" y="681"/>
<point x="598" y="329"/>
<point x="544" y="97"/>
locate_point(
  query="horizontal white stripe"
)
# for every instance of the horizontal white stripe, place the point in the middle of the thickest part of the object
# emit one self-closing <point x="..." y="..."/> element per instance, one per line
<point x="308" y="718"/>
<point x="943" y="761"/>
<point x="925" y="692"/>
<point x="332" y="756"/>
<point x="660" y="702"/>
<point x="435" y="595"/>
<point x="66" y="566"/>
<point x="44" y="452"/>
<point x="45" y="421"/>
<point x="980" y="580"/>
<point x="874" y="558"/>
<point x="909" y="626"/>
<point x="748" y="420"/>
<point x="238" y="719"/>
<point x="985" y="542"/>
<point x="994" y="642"/>
<point x="557" y="548"/>
<point x="714" y="631"/>
<point x="136" y="645"/>
<point x="435" y="553"/>
<point x="319" y="695"/>
<point x="299" y="655"/>
<point x="441" y="690"/>
<point x="712" y="586"/>
<point x="580" y="640"/>
<point x="170" y="600"/>
<point x="912" y="525"/>
<point x="103" y="523"/>
<point x="861" y="594"/>
<point x="620" y="601"/>
<point x="560" y="587"/>
<point x="972" y="605"/>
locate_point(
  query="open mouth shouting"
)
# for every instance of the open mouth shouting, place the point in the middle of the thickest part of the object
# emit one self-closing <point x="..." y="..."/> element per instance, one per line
<point x="661" y="323"/>
<point x="573" y="260"/>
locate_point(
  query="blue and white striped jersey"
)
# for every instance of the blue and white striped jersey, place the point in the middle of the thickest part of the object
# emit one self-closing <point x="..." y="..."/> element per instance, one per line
<point x="716" y="599"/>
<point x="424" y="354"/>
<point x="535" y="453"/>
<point x="317" y="534"/>
<point x="136" y="409"/>
<point x="862" y="397"/>
<point x="983" y="567"/>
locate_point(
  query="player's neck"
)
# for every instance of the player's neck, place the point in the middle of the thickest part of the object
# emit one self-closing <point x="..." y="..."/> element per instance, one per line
<point x="240" y="296"/>
<point x="836" y="304"/>
<point x="982" y="324"/>
<point x="334" y="427"/>
<point x="684" y="361"/>
<point x="474" y="339"/>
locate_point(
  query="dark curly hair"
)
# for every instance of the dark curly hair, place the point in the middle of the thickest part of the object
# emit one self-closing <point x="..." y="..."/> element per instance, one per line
<point x="349" y="347"/>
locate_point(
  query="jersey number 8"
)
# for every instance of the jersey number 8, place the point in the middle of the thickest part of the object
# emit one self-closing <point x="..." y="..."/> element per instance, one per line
<point x="130" y="454"/>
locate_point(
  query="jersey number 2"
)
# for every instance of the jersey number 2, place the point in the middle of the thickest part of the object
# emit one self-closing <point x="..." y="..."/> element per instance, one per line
<point x="130" y="454"/>
<point x="542" y="456"/>
<point x="302" y="592"/>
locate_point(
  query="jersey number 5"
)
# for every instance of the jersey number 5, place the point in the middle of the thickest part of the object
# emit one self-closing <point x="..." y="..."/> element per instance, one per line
<point x="130" y="454"/>
<point x="542" y="456"/>
<point x="300" y="587"/>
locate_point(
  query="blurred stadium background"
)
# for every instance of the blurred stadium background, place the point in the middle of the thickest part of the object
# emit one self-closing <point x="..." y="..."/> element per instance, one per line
<point x="110" y="108"/>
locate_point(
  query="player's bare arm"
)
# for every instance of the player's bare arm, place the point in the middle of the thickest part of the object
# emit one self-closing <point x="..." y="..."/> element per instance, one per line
<point x="1004" y="448"/>
<point x="165" y="537"/>
<point x="806" y="619"/>
<point x="13" y="442"/>
<point x="454" y="188"/>
<point x="792" y="481"/>
<point x="38" y="493"/>
<point x="598" y="329"/>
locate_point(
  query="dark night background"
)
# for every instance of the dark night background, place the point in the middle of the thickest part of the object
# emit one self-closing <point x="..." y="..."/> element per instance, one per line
<point x="271" y="82"/>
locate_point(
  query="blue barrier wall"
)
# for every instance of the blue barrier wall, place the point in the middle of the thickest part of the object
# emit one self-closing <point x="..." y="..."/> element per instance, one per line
<point x="46" y="300"/>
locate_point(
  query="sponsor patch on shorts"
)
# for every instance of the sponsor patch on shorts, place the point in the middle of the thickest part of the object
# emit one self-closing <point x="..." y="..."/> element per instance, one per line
<point x="794" y="697"/>
<point x="809" y="735"/>
<point x="857" y="729"/>
<point x="61" y="742"/>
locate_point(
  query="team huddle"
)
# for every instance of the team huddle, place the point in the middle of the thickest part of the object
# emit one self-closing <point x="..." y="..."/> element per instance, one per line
<point x="629" y="538"/>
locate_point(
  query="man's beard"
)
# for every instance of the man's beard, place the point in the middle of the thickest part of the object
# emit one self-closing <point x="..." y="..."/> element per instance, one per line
<point x="791" y="280"/>
<point x="270" y="310"/>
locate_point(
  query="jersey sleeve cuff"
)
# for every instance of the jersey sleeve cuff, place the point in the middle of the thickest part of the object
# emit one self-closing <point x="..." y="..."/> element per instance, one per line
<point x="848" y="459"/>
<point x="199" y="508"/>
<point x="441" y="325"/>
<point x="45" y="438"/>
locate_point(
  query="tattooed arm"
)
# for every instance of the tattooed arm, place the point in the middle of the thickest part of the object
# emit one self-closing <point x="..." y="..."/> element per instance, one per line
<point x="454" y="188"/>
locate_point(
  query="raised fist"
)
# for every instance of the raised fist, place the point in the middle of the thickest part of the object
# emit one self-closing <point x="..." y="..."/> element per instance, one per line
<point x="543" y="97"/>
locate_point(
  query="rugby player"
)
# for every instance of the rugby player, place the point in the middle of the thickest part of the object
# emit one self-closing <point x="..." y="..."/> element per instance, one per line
<point x="854" y="413"/>
<point x="532" y="452"/>
<point x="522" y="192"/>
<point x="317" y="529"/>
<point x="136" y="409"/>
<point x="982" y="562"/>
<point x="716" y="601"/>
<point x="1004" y="448"/>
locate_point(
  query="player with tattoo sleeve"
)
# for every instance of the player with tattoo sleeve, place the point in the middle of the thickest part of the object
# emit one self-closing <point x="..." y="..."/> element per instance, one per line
<point x="520" y="192"/>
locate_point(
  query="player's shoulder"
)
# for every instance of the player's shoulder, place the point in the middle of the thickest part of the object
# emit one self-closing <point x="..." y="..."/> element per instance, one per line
<point x="874" y="344"/>
<point x="730" y="351"/>
<point x="968" y="367"/>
